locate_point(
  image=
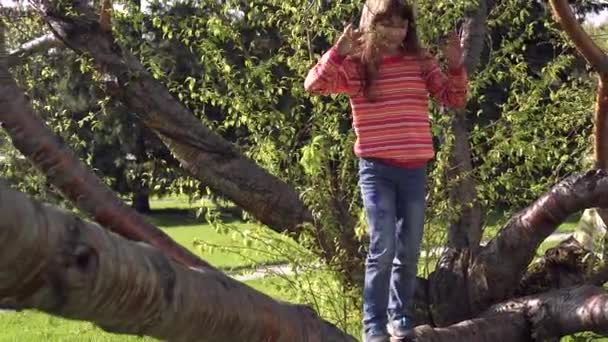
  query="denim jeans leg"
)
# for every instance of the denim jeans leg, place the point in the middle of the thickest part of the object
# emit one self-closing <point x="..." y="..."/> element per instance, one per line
<point x="378" y="192"/>
<point x="411" y="205"/>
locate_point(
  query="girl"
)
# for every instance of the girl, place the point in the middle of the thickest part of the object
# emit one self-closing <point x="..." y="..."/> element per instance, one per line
<point x="389" y="78"/>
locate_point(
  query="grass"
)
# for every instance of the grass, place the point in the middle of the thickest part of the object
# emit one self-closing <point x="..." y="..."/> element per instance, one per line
<point x="223" y="249"/>
<point x="496" y="221"/>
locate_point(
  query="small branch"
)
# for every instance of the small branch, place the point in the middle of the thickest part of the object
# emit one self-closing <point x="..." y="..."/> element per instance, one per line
<point x="600" y="127"/>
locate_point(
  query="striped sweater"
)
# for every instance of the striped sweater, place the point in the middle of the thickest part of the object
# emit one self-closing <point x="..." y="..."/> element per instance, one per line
<point x="394" y="127"/>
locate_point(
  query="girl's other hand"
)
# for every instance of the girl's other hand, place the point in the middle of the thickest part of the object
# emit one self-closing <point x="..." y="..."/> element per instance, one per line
<point x="452" y="51"/>
<point x="350" y="41"/>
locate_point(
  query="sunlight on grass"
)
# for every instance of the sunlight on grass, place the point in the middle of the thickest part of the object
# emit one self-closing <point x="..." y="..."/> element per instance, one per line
<point x="177" y="217"/>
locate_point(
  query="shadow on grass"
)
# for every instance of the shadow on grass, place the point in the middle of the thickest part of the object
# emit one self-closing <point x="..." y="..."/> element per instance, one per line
<point x="171" y="217"/>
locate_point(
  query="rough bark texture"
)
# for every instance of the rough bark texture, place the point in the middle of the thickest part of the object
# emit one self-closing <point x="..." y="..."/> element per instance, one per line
<point x="74" y="179"/>
<point x="52" y="261"/>
<point x="544" y="317"/>
<point x="466" y="231"/>
<point x="206" y="155"/>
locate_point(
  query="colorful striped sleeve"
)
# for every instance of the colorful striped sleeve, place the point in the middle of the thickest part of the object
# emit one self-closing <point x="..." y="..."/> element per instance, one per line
<point x="450" y="90"/>
<point x="329" y="75"/>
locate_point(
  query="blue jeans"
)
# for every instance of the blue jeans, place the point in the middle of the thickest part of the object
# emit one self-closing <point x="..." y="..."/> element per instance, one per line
<point x="394" y="200"/>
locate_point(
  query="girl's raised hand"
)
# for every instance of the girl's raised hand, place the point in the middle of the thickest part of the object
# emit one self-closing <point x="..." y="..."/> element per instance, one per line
<point x="349" y="42"/>
<point x="452" y="51"/>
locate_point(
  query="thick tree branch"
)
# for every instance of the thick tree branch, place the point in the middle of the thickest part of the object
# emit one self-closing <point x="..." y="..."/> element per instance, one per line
<point x="72" y="177"/>
<point x="206" y="155"/>
<point x="465" y="284"/>
<point x="584" y="44"/>
<point x="52" y="261"/>
<point x="536" y="318"/>
<point x="504" y="259"/>
<point x="33" y="47"/>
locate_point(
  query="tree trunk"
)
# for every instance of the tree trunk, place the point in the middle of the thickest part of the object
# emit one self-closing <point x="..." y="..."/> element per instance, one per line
<point x="141" y="200"/>
<point x="206" y="155"/>
<point x="65" y="171"/>
<point x="141" y="188"/>
<point x="52" y="261"/>
<point x="466" y="231"/>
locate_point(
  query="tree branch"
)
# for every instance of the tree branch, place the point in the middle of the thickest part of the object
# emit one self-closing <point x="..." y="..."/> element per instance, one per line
<point x="536" y="318"/>
<point x="72" y="177"/>
<point x="600" y="127"/>
<point x="206" y="155"/>
<point x="584" y="44"/>
<point x="504" y="259"/>
<point x="52" y="261"/>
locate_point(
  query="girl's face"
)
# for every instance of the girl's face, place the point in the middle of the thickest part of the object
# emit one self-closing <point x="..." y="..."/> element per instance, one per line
<point x="391" y="33"/>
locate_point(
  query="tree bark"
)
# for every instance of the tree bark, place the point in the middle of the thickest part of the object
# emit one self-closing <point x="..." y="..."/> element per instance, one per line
<point x="466" y="231"/>
<point x="545" y="317"/>
<point x="52" y="261"/>
<point x="565" y="265"/>
<point x="65" y="171"/>
<point x="206" y="155"/>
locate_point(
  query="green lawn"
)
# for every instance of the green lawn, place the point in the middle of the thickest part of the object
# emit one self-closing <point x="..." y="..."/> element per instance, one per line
<point x="496" y="221"/>
<point x="222" y="248"/>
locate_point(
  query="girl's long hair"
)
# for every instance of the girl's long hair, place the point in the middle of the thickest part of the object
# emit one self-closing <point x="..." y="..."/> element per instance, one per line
<point x="369" y="58"/>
